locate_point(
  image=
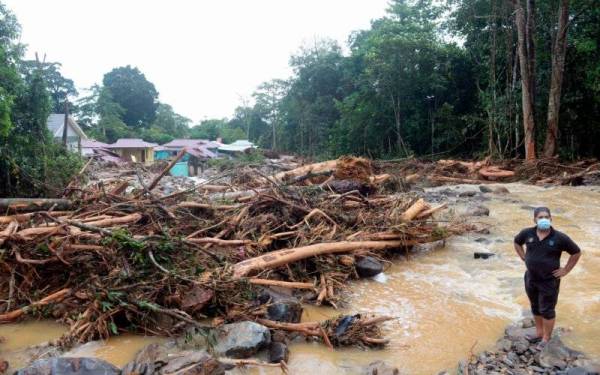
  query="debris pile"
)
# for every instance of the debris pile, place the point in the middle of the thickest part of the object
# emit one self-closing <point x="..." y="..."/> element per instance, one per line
<point x="116" y="259"/>
<point x="548" y="171"/>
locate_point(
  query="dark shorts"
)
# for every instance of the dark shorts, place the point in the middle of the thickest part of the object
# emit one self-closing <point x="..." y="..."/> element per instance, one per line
<point x="543" y="295"/>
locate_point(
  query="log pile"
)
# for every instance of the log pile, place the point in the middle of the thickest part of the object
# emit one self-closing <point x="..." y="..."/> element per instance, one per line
<point x="548" y="171"/>
<point x="114" y="260"/>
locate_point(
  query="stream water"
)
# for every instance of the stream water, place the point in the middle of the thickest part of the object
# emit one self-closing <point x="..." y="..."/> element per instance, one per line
<point x="446" y="303"/>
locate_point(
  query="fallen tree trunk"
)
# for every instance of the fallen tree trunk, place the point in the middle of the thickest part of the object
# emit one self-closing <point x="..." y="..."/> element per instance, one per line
<point x="414" y="210"/>
<point x="457" y="180"/>
<point x="16" y="314"/>
<point x="279" y="258"/>
<point x="10" y="230"/>
<point x="321" y="167"/>
<point x="282" y="284"/>
<point x="166" y="170"/>
<point x="493" y="172"/>
<point x="34" y="204"/>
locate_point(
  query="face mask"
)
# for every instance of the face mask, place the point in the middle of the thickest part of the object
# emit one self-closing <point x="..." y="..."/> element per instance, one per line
<point x="544" y="224"/>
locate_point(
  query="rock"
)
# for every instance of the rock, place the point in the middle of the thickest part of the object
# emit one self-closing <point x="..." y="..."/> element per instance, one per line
<point x="196" y="298"/>
<point x="520" y="346"/>
<point x="504" y="345"/>
<point x="485" y="189"/>
<point x="469" y="193"/>
<point x="501" y="190"/>
<point x="482" y="255"/>
<point x="528" y="322"/>
<point x="578" y="371"/>
<point x="515" y="333"/>
<point x="555" y="354"/>
<point x="278" y="352"/>
<point x="279" y="336"/>
<point x="478" y="211"/>
<point x="149" y="358"/>
<point x="368" y="267"/>
<point x="482" y="240"/>
<point x="380" y="368"/>
<point x="289" y="311"/>
<point x="193" y="363"/>
<point x="241" y="340"/>
<point x="513" y="357"/>
<point x="68" y="366"/>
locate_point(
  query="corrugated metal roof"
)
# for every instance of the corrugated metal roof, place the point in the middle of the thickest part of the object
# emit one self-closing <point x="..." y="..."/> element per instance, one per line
<point x="181" y="143"/>
<point x="201" y="153"/>
<point x="237" y="146"/>
<point x="90" y="143"/>
<point x="55" y="124"/>
<point x="132" y="143"/>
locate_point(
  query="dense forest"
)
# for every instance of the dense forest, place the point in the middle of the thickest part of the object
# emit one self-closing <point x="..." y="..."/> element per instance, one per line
<point x="464" y="78"/>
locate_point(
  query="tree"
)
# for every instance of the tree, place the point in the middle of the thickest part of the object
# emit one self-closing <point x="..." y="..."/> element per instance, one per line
<point x="171" y="123"/>
<point x="559" y="50"/>
<point x="60" y="88"/>
<point x="524" y="45"/>
<point x="138" y="97"/>
<point x="268" y="96"/>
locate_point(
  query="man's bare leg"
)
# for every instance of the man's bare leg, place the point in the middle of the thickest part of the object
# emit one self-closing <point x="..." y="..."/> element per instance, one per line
<point x="539" y="325"/>
<point x="548" y="325"/>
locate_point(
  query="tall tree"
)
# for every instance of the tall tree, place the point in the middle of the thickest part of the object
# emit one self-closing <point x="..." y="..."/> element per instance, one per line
<point x="268" y="97"/>
<point x="138" y="97"/>
<point x="526" y="80"/>
<point x="60" y="88"/>
<point x="559" y="51"/>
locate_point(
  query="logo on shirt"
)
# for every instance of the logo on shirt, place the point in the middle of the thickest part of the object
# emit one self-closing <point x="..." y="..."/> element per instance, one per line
<point x="530" y="239"/>
<point x="551" y="242"/>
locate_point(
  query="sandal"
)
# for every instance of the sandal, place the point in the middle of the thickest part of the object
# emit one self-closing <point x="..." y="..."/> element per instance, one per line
<point x="533" y="338"/>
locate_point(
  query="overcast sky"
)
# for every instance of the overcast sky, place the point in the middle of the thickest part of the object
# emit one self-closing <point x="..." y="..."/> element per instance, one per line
<point x="201" y="55"/>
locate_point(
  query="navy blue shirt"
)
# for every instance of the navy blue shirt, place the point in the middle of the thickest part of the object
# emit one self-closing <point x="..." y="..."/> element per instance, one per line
<point x="543" y="257"/>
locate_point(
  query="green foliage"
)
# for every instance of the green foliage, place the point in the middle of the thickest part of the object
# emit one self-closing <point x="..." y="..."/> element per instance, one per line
<point x="130" y="89"/>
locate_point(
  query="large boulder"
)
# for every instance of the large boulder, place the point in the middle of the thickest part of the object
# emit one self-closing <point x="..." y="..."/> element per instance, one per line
<point x="241" y="340"/>
<point x="69" y="366"/>
<point x="368" y="267"/>
<point x="289" y="311"/>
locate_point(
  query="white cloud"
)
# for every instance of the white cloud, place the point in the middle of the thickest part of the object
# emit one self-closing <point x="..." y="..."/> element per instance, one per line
<point x="201" y="55"/>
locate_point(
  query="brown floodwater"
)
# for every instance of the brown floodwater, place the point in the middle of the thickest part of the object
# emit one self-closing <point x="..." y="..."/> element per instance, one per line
<point x="445" y="303"/>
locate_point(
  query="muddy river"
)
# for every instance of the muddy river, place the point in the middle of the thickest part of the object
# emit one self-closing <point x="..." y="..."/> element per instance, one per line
<point x="446" y="303"/>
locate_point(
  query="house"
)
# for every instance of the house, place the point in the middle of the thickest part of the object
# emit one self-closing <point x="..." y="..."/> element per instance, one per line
<point x="238" y="146"/>
<point x="75" y="135"/>
<point x="197" y="151"/>
<point x="100" y="151"/>
<point x="134" y="149"/>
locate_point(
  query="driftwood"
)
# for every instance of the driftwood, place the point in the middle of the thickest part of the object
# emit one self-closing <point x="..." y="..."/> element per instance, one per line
<point x="34" y="204"/>
<point x="316" y="168"/>
<point x="279" y="258"/>
<point x="282" y="284"/>
<point x="456" y="180"/>
<point x="166" y="170"/>
<point x="414" y="210"/>
<point x="493" y="173"/>
<point x="16" y="314"/>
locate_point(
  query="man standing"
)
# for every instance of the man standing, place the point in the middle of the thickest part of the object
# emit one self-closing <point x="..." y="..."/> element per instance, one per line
<point x="544" y="247"/>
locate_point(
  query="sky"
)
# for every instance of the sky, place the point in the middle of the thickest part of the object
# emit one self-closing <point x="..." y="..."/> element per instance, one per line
<point x="204" y="57"/>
